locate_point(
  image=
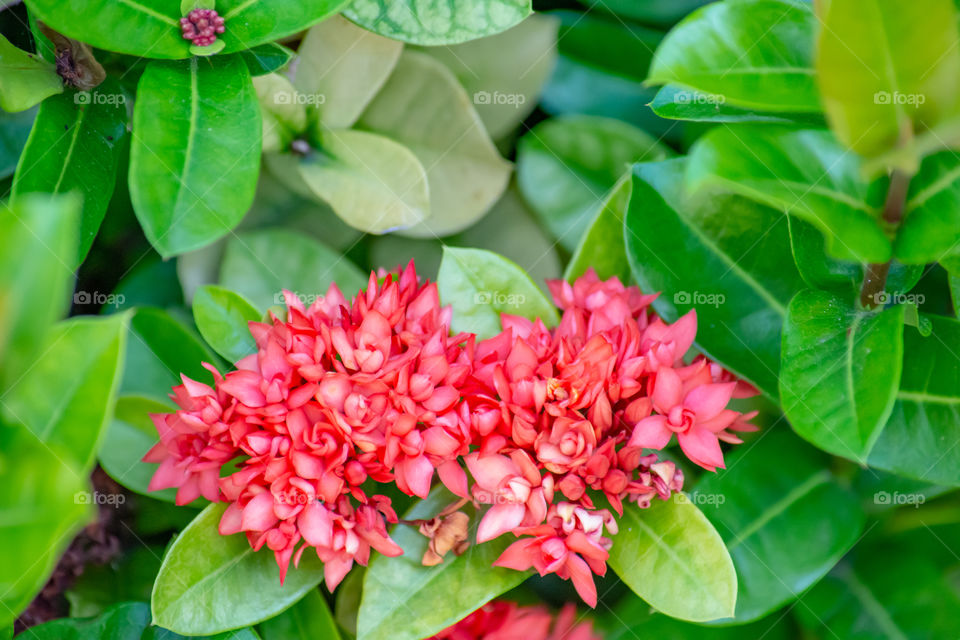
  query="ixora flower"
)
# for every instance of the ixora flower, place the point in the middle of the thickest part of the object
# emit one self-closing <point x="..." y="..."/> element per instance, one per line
<point x="501" y="620"/>
<point x="344" y="397"/>
<point x="201" y="26"/>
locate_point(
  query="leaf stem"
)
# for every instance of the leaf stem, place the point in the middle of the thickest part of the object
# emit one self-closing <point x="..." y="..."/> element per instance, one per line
<point x="875" y="278"/>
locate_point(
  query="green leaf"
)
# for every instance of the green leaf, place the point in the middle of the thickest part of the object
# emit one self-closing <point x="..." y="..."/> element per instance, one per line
<point x="404" y="600"/>
<point x="159" y="349"/>
<point x="259" y="265"/>
<point x="785" y="526"/>
<point x="673" y="541"/>
<point x="38" y="240"/>
<point x="659" y="12"/>
<point x="802" y="171"/>
<point x="840" y="371"/>
<point x="423" y="107"/>
<point x="758" y="54"/>
<point x="602" y="247"/>
<point x="437" y="22"/>
<point x="266" y="58"/>
<point x="14" y="131"/>
<point x="309" y="619"/>
<point x="210" y="583"/>
<point x="566" y="166"/>
<point x="885" y="72"/>
<point x="81" y="359"/>
<point x="75" y="145"/>
<point x="504" y="73"/>
<point x="341" y="67"/>
<point x="480" y="286"/>
<point x="129" y="437"/>
<point x="125" y="621"/>
<point x="370" y="181"/>
<point x="250" y="23"/>
<point x="739" y="281"/>
<point x="195" y="155"/>
<point x="25" y="79"/>
<point x="282" y="113"/>
<point x="223" y="318"/>
<point x="921" y="439"/>
<point x="931" y="226"/>
<point x="128" y="578"/>
<point x="677" y="103"/>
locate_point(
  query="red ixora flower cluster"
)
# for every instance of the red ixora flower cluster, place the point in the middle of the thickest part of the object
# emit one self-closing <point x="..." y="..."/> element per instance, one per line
<point x="344" y="396"/>
<point x="502" y="620"/>
<point x="201" y="26"/>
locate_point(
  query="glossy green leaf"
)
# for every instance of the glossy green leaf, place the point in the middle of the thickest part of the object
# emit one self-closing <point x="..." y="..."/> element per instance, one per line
<point x="404" y="600"/>
<point x="309" y="619"/>
<point x="678" y="103"/>
<point x="259" y="265"/>
<point x="125" y="621"/>
<point x="282" y="113"/>
<point x="195" y="155"/>
<point x="436" y="22"/>
<point x="566" y="166"/>
<point x="756" y="53"/>
<point x="785" y="525"/>
<point x="885" y="71"/>
<point x="601" y="247"/>
<point x="371" y="182"/>
<point x="159" y="349"/>
<point x="504" y="73"/>
<point x="14" y="131"/>
<point x="25" y="79"/>
<point x="675" y="542"/>
<point x="659" y="12"/>
<point x="341" y="67"/>
<point x="266" y="58"/>
<point x="210" y="583"/>
<point x="130" y="435"/>
<point x="840" y="371"/>
<point x="82" y="359"/>
<point x="480" y="286"/>
<point x="739" y="281"/>
<point x="931" y="226"/>
<point x="922" y="438"/>
<point x="250" y="23"/>
<point x="75" y="145"/>
<point x="38" y="240"/>
<point x="151" y="283"/>
<point x="424" y="108"/>
<point x="802" y="171"/>
<point x="223" y="318"/>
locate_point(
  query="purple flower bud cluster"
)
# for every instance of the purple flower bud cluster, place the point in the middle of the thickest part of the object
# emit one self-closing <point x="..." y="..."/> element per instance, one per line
<point x="201" y="26"/>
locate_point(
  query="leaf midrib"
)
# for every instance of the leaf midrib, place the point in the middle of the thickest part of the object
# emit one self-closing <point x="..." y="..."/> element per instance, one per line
<point x="73" y="143"/>
<point x="150" y="12"/>
<point x="873" y="606"/>
<point x="191" y="135"/>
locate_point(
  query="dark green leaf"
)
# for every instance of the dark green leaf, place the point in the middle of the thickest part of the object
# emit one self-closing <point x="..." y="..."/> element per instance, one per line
<point x="125" y="621"/>
<point x="129" y="437"/>
<point x="673" y="542"/>
<point x="436" y="22"/>
<point x="404" y="600"/>
<point x="223" y="318"/>
<point x="196" y="151"/>
<point x="931" y="226"/>
<point x="739" y="281"/>
<point x="566" y="166"/>
<point x="75" y="146"/>
<point x="210" y="583"/>
<point x="128" y="578"/>
<point x="309" y="619"/>
<point x="840" y="371"/>
<point x="659" y="12"/>
<point x="266" y="58"/>
<point x="26" y="78"/>
<point x="14" y="130"/>
<point x="601" y="247"/>
<point x="250" y="23"/>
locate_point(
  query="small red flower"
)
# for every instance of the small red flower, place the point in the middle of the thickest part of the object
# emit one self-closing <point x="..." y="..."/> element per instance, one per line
<point x="201" y="26"/>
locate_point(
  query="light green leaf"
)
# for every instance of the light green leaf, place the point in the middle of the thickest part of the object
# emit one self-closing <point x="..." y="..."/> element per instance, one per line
<point x="480" y="286"/>
<point x="677" y="103"/>
<point x="75" y="145"/>
<point x="370" y="181"/>
<point x="436" y="22"/>
<point x="25" y="79"/>
<point x="886" y="72"/>
<point x="758" y="54"/>
<point x="602" y="247"/>
<point x="404" y="600"/>
<point x="210" y="583"/>
<point x="504" y="73"/>
<point x="259" y="265"/>
<point x="840" y="371"/>
<point x="802" y="171"/>
<point x="341" y="67"/>
<point x="129" y="437"/>
<point x="282" y="112"/>
<point x="223" y="316"/>
<point x="309" y="619"/>
<point x="38" y="240"/>
<point x="195" y="155"/>
<point x="250" y="23"/>
<point x="423" y="107"/>
<point x="566" y="166"/>
<point x="674" y="541"/>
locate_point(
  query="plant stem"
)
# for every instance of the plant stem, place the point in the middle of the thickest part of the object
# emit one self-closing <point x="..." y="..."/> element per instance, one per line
<point x="875" y="278"/>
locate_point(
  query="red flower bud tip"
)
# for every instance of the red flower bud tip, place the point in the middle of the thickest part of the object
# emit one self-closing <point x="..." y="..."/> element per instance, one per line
<point x="201" y="26"/>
